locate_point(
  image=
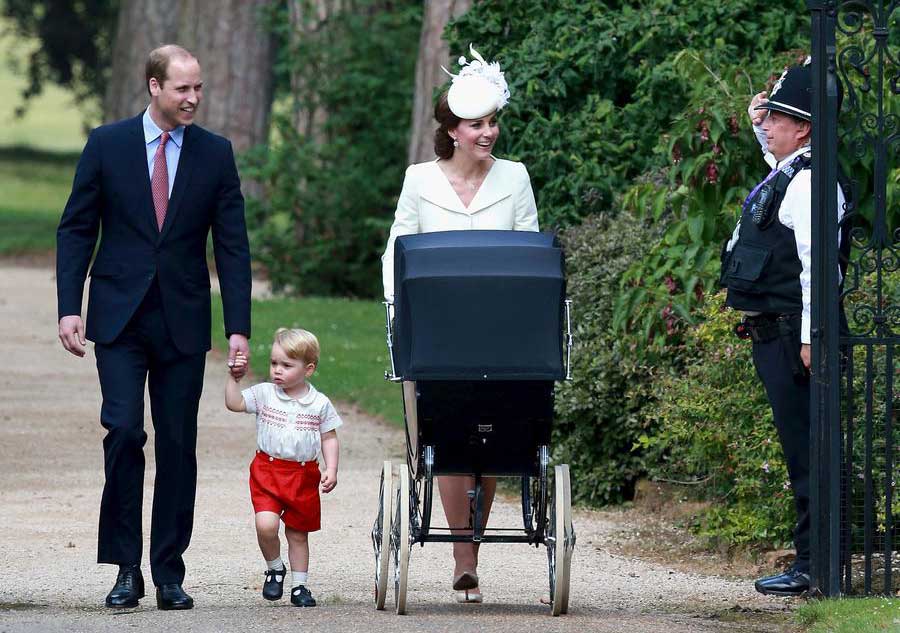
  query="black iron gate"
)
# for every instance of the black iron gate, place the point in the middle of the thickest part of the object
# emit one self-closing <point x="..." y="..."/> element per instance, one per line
<point x="855" y="436"/>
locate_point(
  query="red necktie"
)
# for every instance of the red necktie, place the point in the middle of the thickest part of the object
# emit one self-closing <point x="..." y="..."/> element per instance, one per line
<point x="159" y="182"/>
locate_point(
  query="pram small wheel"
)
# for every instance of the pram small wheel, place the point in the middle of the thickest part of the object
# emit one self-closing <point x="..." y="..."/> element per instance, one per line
<point x="381" y="534"/>
<point x="560" y="540"/>
<point x="400" y="540"/>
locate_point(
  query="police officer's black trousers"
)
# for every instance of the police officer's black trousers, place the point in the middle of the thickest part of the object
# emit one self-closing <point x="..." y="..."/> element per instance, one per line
<point x="143" y="351"/>
<point x="789" y="398"/>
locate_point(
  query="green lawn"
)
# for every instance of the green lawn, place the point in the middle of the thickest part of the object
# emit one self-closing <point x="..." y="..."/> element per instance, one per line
<point x="351" y="334"/>
<point x="35" y="186"/>
<point x="38" y="153"/>
<point x="850" y="615"/>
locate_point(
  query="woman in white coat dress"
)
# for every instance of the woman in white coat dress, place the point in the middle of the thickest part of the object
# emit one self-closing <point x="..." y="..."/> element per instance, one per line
<point x="465" y="188"/>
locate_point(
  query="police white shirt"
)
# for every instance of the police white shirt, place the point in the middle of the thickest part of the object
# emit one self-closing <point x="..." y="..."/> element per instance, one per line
<point x="290" y="428"/>
<point x="795" y="213"/>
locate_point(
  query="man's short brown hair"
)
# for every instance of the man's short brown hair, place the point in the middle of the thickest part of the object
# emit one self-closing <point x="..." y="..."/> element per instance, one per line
<point x="158" y="62"/>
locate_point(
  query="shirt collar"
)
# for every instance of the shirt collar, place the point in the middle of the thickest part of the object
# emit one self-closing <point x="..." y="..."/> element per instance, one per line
<point x="789" y="158"/>
<point x="153" y="132"/>
<point x="306" y="398"/>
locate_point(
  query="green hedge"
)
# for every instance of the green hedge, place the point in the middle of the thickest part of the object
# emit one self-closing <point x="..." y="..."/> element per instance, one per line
<point x="713" y="430"/>
<point x="599" y="411"/>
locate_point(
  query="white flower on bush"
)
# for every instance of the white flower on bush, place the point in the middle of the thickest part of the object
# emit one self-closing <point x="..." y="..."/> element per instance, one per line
<point x="765" y="466"/>
<point x="786" y="485"/>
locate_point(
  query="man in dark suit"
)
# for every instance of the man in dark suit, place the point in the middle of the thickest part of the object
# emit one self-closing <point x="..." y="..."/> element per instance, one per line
<point x="152" y="187"/>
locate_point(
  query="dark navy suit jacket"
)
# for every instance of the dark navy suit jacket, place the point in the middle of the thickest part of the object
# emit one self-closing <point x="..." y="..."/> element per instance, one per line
<point x="111" y="199"/>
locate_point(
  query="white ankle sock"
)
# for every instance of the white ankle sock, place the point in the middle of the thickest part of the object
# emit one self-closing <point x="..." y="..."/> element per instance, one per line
<point x="275" y="564"/>
<point x="299" y="578"/>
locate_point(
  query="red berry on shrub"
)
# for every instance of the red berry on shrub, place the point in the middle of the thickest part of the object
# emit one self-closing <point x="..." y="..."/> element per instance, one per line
<point x="671" y="286"/>
<point x="712" y="173"/>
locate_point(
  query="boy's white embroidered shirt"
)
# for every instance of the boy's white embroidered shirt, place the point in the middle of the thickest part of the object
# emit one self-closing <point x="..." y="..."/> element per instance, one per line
<point x="290" y="428"/>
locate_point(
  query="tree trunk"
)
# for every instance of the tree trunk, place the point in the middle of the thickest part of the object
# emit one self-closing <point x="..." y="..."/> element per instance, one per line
<point x="433" y="53"/>
<point x="235" y="54"/>
<point x="308" y="17"/>
<point x="142" y="26"/>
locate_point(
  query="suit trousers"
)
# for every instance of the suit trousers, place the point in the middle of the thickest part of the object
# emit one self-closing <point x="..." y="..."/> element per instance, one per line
<point x="789" y="398"/>
<point x="144" y="353"/>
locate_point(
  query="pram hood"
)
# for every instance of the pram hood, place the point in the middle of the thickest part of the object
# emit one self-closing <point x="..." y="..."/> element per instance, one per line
<point x="479" y="305"/>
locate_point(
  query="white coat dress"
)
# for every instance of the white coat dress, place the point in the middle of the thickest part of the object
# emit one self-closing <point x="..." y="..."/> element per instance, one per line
<point x="428" y="203"/>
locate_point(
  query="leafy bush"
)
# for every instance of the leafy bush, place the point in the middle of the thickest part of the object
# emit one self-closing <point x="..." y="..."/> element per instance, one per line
<point x="711" y="427"/>
<point x="599" y="411"/>
<point x="593" y="83"/>
<point x="714" y="430"/>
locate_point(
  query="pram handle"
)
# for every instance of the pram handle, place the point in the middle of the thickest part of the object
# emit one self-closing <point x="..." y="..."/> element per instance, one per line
<point x="570" y="340"/>
<point x="392" y="374"/>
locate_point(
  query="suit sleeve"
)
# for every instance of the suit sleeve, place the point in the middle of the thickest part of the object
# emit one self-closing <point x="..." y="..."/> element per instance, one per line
<point x="78" y="230"/>
<point x="526" y="207"/>
<point x="232" y="250"/>
<point x="406" y="222"/>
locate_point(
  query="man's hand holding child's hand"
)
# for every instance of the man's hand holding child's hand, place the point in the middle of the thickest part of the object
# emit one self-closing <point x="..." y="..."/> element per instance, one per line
<point x="238" y="366"/>
<point x="329" y="480"/>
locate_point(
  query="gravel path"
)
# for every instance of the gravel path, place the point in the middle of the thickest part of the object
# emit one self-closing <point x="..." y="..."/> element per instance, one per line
<point x="51" y="467"/>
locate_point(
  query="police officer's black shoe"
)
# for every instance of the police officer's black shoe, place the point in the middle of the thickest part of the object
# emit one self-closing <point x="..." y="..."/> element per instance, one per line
<point x="301" y="597"/>
<point x="274" y="585"/>
<point x="129" y="588"/>
<point x="789" y="583"/>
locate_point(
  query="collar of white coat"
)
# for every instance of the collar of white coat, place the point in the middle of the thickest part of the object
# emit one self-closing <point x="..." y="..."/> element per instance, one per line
<point x="436" y="188"/>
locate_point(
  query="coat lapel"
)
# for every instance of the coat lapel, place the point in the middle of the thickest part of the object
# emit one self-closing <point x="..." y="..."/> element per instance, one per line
<point x="437" y="190"/>
<point x="182" y="177"/>
<point x="136" y="153"/>
<point x="491" y="190"/>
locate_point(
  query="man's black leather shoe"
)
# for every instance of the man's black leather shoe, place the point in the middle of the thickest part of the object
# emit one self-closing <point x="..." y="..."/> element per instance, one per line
<point x="789" y="583"/>
<point x="273" y="588"/>
<point x="129" y="588"/>
<point x="172" y="598"/>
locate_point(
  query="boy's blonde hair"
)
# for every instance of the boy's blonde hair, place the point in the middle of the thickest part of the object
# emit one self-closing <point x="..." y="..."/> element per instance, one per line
<point x="298" y="344"/>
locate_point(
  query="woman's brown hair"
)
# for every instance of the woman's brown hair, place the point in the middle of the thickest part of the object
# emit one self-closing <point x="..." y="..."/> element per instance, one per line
<point x="443" y="142"/>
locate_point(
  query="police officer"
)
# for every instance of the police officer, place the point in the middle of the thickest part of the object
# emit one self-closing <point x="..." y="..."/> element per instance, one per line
<point x="766" y="269"/>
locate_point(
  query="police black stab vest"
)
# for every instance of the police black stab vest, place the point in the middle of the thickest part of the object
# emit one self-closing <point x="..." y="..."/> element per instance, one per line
<point x="762" y="270"/>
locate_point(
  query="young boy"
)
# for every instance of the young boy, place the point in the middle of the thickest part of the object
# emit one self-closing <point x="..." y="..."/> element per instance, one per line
<point x="294" y="424"/>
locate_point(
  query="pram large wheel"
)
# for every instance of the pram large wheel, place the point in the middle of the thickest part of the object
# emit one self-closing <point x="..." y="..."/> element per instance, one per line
<point x="381" y="534"/>
<point x="560" y="540"/>
<point x="400" y="540"/>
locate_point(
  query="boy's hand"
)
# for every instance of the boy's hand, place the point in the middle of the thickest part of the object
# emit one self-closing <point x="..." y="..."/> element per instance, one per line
<point x="757" y="116"/>
<point x="329" y="480"/>
<point x="238" y="366"/>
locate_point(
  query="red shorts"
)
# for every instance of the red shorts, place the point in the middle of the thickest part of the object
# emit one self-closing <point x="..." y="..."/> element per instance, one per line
<point x="287" y="488"/>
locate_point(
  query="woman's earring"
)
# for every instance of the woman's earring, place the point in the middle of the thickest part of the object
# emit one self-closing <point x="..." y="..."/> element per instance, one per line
<point x="455" y="143"/>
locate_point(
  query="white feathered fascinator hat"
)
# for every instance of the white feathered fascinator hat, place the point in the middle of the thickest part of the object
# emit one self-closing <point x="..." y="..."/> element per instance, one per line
<point x="479" y="89"/>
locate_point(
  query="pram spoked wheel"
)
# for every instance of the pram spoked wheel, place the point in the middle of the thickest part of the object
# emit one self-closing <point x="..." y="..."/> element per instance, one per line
<point x="381" y="534"/>
<point x="400" y="543"/>
<point x="560" y="540"/>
